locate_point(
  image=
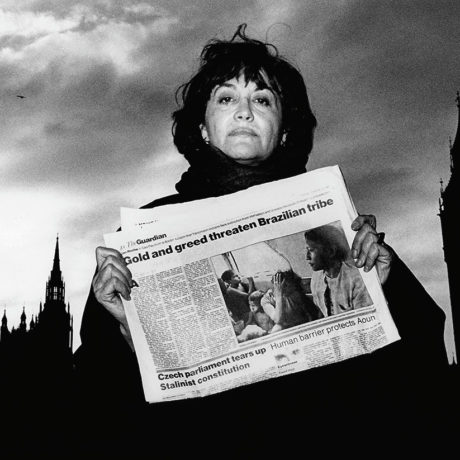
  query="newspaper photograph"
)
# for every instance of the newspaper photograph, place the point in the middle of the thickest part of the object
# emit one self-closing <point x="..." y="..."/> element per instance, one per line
<point x="249" y="286"/>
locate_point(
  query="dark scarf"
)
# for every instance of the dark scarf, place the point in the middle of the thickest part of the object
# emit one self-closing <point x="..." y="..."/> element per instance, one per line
<point x="212" y="173"/>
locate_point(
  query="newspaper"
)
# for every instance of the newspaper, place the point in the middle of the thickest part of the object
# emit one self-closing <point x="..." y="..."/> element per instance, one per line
<point x="237" y="289"/>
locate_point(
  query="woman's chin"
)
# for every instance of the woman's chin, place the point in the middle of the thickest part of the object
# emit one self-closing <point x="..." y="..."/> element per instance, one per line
<point x="245" y="152"/>
<point x="247" y="158"/>
<point x="247" y="162"/>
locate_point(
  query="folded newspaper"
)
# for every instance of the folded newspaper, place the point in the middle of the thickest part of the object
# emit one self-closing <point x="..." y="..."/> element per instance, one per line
<point x="248" y="286"/>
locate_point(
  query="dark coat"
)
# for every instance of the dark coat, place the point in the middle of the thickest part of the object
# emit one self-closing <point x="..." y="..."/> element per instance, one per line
<point x="397" y="393"/>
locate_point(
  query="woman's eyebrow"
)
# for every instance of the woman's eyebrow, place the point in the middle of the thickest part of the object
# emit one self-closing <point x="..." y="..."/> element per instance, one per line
<point x="225" y="85"/>
<point x="233" y="87"/>
<point x="269" y="90"/>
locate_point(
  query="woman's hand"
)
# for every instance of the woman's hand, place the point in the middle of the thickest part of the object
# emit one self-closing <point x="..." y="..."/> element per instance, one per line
<point x="278" y="289"/>
<point x="278" y="285"/>
<point x="112" y="280"/>
<point x="368" y="248"/>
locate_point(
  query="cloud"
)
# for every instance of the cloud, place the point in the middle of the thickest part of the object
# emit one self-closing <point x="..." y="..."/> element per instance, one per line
<point x="27" y="24"/>
<point x="85" y="118"/>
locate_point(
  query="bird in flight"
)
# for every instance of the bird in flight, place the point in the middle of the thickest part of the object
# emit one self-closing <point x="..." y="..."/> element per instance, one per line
<point x="20" y="96"/>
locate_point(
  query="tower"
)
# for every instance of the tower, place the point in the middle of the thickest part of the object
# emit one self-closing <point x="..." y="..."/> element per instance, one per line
<point x="55" y="289"/>
<point x="36" y="367"/>
<point x="448" y="212"/>
<point x="54" y="322"/>
<point x="4" y="332"/>
<point x="23" y="325"/>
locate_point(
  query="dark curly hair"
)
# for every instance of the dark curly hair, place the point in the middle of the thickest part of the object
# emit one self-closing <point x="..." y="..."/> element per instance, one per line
<point x="291" y="277"/>
<point x="227" y="275"/>
<point x="259" y="62"/>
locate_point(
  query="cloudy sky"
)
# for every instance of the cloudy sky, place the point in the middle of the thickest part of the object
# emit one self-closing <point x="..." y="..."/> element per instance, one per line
<point x="93" y="131"/>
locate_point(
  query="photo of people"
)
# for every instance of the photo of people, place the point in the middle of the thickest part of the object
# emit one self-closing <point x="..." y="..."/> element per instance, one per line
<point x="336" y="284"/>
<point x="278" y="284"/>
<point x="286" y="303"/>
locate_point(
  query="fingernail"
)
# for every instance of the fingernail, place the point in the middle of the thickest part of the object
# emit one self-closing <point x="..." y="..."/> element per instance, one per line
<point x="366" y="268"/>
<point x="354" y="253"/>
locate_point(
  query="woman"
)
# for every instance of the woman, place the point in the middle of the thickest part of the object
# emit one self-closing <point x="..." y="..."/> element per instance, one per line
<point x="336" y="284"/>
<point x="245" y="119"/>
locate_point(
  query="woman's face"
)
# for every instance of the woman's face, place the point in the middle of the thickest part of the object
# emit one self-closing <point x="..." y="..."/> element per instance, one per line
<point x="317" y="256"/>
<point x="243" y="121"/>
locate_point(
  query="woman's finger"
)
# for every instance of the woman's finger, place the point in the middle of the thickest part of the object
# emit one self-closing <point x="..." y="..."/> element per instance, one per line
<point x="109" y="271"/>
<point x="102" y="253"/>
<point x="362" y="219"/>
<point x="371" y="257"/>
<point x="119" y="264"/>
<point x="109" y="292"/>
<point x="359" y="239"/>
<point x="366" y="241"/>
<point x="109" y="296"/>
<point x="109" y="256"/>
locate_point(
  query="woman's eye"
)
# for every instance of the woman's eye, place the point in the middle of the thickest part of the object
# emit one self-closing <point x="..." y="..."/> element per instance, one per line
<point x="224" y="100"/>
<point x="262" y="100"/>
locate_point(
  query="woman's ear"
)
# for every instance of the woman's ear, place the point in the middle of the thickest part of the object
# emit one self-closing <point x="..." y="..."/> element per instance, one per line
<point x="283" y="138"/>
<point x="204" y="133"/>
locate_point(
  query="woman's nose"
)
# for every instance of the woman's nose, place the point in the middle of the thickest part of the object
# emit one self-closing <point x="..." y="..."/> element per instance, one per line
<point x="243" y="111"/>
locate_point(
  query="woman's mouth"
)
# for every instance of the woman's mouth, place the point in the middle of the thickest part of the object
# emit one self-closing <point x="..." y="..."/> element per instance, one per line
<point x="243" y="132"/>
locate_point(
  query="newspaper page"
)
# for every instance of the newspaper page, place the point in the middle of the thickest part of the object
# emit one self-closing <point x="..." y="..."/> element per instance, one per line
<point x="248" y="286"/>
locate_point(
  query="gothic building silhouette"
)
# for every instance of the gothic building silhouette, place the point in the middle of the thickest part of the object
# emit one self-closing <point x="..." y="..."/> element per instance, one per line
<point x="448" y="212"/>
<point x="41" y="349"/>
<point x="36" y="375"/>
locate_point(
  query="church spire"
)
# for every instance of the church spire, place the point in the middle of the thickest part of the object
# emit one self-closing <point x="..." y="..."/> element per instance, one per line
<point x="455" y="147"/>
<point x="55" y="284"/>
<point x="56" y="262"/>
<point x="23" y="325"/>
<point x="4" y="332"/>
<point x="52" y="325"/>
